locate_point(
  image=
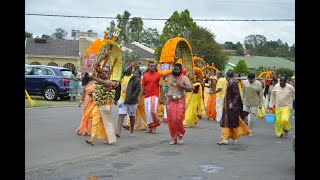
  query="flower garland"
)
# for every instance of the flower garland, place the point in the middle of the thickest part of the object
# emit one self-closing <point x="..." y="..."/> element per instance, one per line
<point x="164" y="73"/>
<point x="102" y="96"/>
<point x="169" y="49"/>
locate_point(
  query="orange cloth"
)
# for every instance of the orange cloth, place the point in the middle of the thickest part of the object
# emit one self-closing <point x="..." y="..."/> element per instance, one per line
<point x="211" y="107"/>
<point x="86" y="119"/>
<point x="235" y="133"/>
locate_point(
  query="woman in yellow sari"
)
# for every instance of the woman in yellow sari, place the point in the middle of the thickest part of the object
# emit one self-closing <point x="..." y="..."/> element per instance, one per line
<point x="86" y="119"/>
<point x="194" y="105"/>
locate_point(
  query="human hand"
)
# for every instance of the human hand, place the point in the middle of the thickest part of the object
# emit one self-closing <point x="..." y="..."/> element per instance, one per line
<point x="80" y="102"/>
<point x="90" y="74"/>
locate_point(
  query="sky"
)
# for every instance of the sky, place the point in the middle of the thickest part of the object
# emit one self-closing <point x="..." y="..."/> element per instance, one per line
<point x="199" y="9"/>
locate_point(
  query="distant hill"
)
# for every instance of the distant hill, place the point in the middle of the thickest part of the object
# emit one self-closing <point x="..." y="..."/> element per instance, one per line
<point x="254" y="62"/>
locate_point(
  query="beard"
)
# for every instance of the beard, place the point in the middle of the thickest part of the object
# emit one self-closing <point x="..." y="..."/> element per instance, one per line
<point x="176" y="73"/>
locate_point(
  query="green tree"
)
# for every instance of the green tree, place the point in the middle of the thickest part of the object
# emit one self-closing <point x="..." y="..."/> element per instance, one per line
<point x="284" y="71"/>
<point x="28" y="35"/>
<point x="135" y="28"/>
<point x="45" y="36"/>
<point x="123" y="24"/>
<point x="292" y="50"/>
<point x="59" y="34"/>
<point x="241" y="67"/>
<point x="203" y="44"/>
<point x="229" y="45"/>
<point x="177" y="25"/>
<point x="240" y="51"/>
<point x="255" y="43"/>
<point x="111" y="28"/>
<point x="150" y="37"/>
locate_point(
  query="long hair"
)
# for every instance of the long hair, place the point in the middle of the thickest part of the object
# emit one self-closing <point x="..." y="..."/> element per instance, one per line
<point x="85" y="79"/>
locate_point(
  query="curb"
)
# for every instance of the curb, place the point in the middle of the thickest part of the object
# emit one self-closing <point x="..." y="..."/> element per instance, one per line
<point x="43" y="107"/>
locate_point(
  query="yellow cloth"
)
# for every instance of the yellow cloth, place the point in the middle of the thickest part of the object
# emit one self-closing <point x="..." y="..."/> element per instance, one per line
<point x="32" y="103"/>
<point x="222" y="83"/>
<point x="282" y="120"/>
<point x="124" y="85"/>
<point x="194" y="101"/>
<point x="102" y="125"/>
<point x="160" y="110"/>
<point x="97" y="131"/>
<point x="206" y="96"/>
<point x="235" y="133"/>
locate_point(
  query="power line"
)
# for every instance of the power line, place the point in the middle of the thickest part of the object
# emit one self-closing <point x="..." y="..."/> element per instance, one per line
<point x="153" y="19"/>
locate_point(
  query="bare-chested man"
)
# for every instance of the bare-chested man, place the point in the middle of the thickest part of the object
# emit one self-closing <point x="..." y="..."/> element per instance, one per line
<point x="176" y="104"/>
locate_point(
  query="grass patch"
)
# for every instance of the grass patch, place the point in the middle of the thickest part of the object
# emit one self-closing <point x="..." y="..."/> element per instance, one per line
<point x="41" y="102"/>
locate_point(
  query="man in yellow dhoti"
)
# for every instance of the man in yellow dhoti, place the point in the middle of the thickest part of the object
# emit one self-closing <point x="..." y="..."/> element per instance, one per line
<point x="282" y="96"/>
<point x="102" y="125"/>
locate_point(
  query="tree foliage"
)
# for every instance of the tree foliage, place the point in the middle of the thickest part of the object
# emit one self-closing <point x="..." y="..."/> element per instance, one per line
<point x="150" y="37"/>
<point x="241" y="67"/>
<point x="45" y="36"/>
<point x="59" y="34"/>
<point x="177" y="25"/>
<point x="135" y="29"/>
<point x="284" y="72"/>
<point x="259" y="46"/>
<point x="203" y="44"/>
<point x="123" y="24"/>
<point x="28" y="35"/>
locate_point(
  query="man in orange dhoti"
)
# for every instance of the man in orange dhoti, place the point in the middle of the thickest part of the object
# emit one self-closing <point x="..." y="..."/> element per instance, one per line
<point x="176" y="104"/>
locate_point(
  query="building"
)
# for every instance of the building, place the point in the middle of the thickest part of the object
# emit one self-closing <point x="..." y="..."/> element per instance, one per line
<point x="69" y="53"/>
<point x="146" y="54"/>
<point x="52" y="52"/>
<point x="76" y="34"/>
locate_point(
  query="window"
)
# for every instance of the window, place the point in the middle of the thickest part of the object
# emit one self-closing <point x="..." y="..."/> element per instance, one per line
<point x="49" y="72"/>
<point x="27" y="70"/>
<point x="66" y="72"/>
<point x="39" y="71"/>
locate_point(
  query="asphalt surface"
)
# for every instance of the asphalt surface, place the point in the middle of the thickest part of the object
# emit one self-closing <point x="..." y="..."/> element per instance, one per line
<point x="54" y="151"/>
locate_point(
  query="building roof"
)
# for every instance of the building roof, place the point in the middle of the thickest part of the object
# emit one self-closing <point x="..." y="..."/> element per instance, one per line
<point x="144" y="51"/>
<point x="254" y="62"/>
<point x="52" y="47"/>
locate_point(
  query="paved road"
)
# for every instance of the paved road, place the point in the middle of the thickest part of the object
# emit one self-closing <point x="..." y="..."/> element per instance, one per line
<point x="54" y="151"/>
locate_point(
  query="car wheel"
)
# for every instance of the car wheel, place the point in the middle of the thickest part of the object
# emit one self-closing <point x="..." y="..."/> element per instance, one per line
<point x="50" y="93"/>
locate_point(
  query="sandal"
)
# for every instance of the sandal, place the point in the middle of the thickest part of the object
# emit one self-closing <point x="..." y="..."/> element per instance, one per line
<point x="223" y="142"/>
<point x="89" y="142"/>
<point x="118" y="135"/>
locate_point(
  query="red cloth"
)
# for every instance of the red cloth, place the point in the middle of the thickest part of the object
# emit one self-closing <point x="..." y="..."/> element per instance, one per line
<point x="267" y="82"/>
<point x="151" y="83"/>
<point x="175" y="116"/>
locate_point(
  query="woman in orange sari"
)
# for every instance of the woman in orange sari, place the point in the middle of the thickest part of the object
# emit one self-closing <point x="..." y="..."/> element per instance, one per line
<point x="86" y="119"/>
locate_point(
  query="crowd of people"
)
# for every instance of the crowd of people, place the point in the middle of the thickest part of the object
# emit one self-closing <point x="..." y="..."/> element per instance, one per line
<point x="146" y="100"/>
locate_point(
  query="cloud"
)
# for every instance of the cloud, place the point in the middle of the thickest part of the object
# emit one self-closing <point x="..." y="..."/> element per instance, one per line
<point x="200" y="9"/>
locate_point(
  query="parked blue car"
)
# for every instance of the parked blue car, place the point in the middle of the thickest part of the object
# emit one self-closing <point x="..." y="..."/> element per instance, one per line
<point x="50" y="82"/>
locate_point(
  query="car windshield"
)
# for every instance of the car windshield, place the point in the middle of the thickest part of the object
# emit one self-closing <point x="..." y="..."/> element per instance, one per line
<point x="66" y="72"/>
